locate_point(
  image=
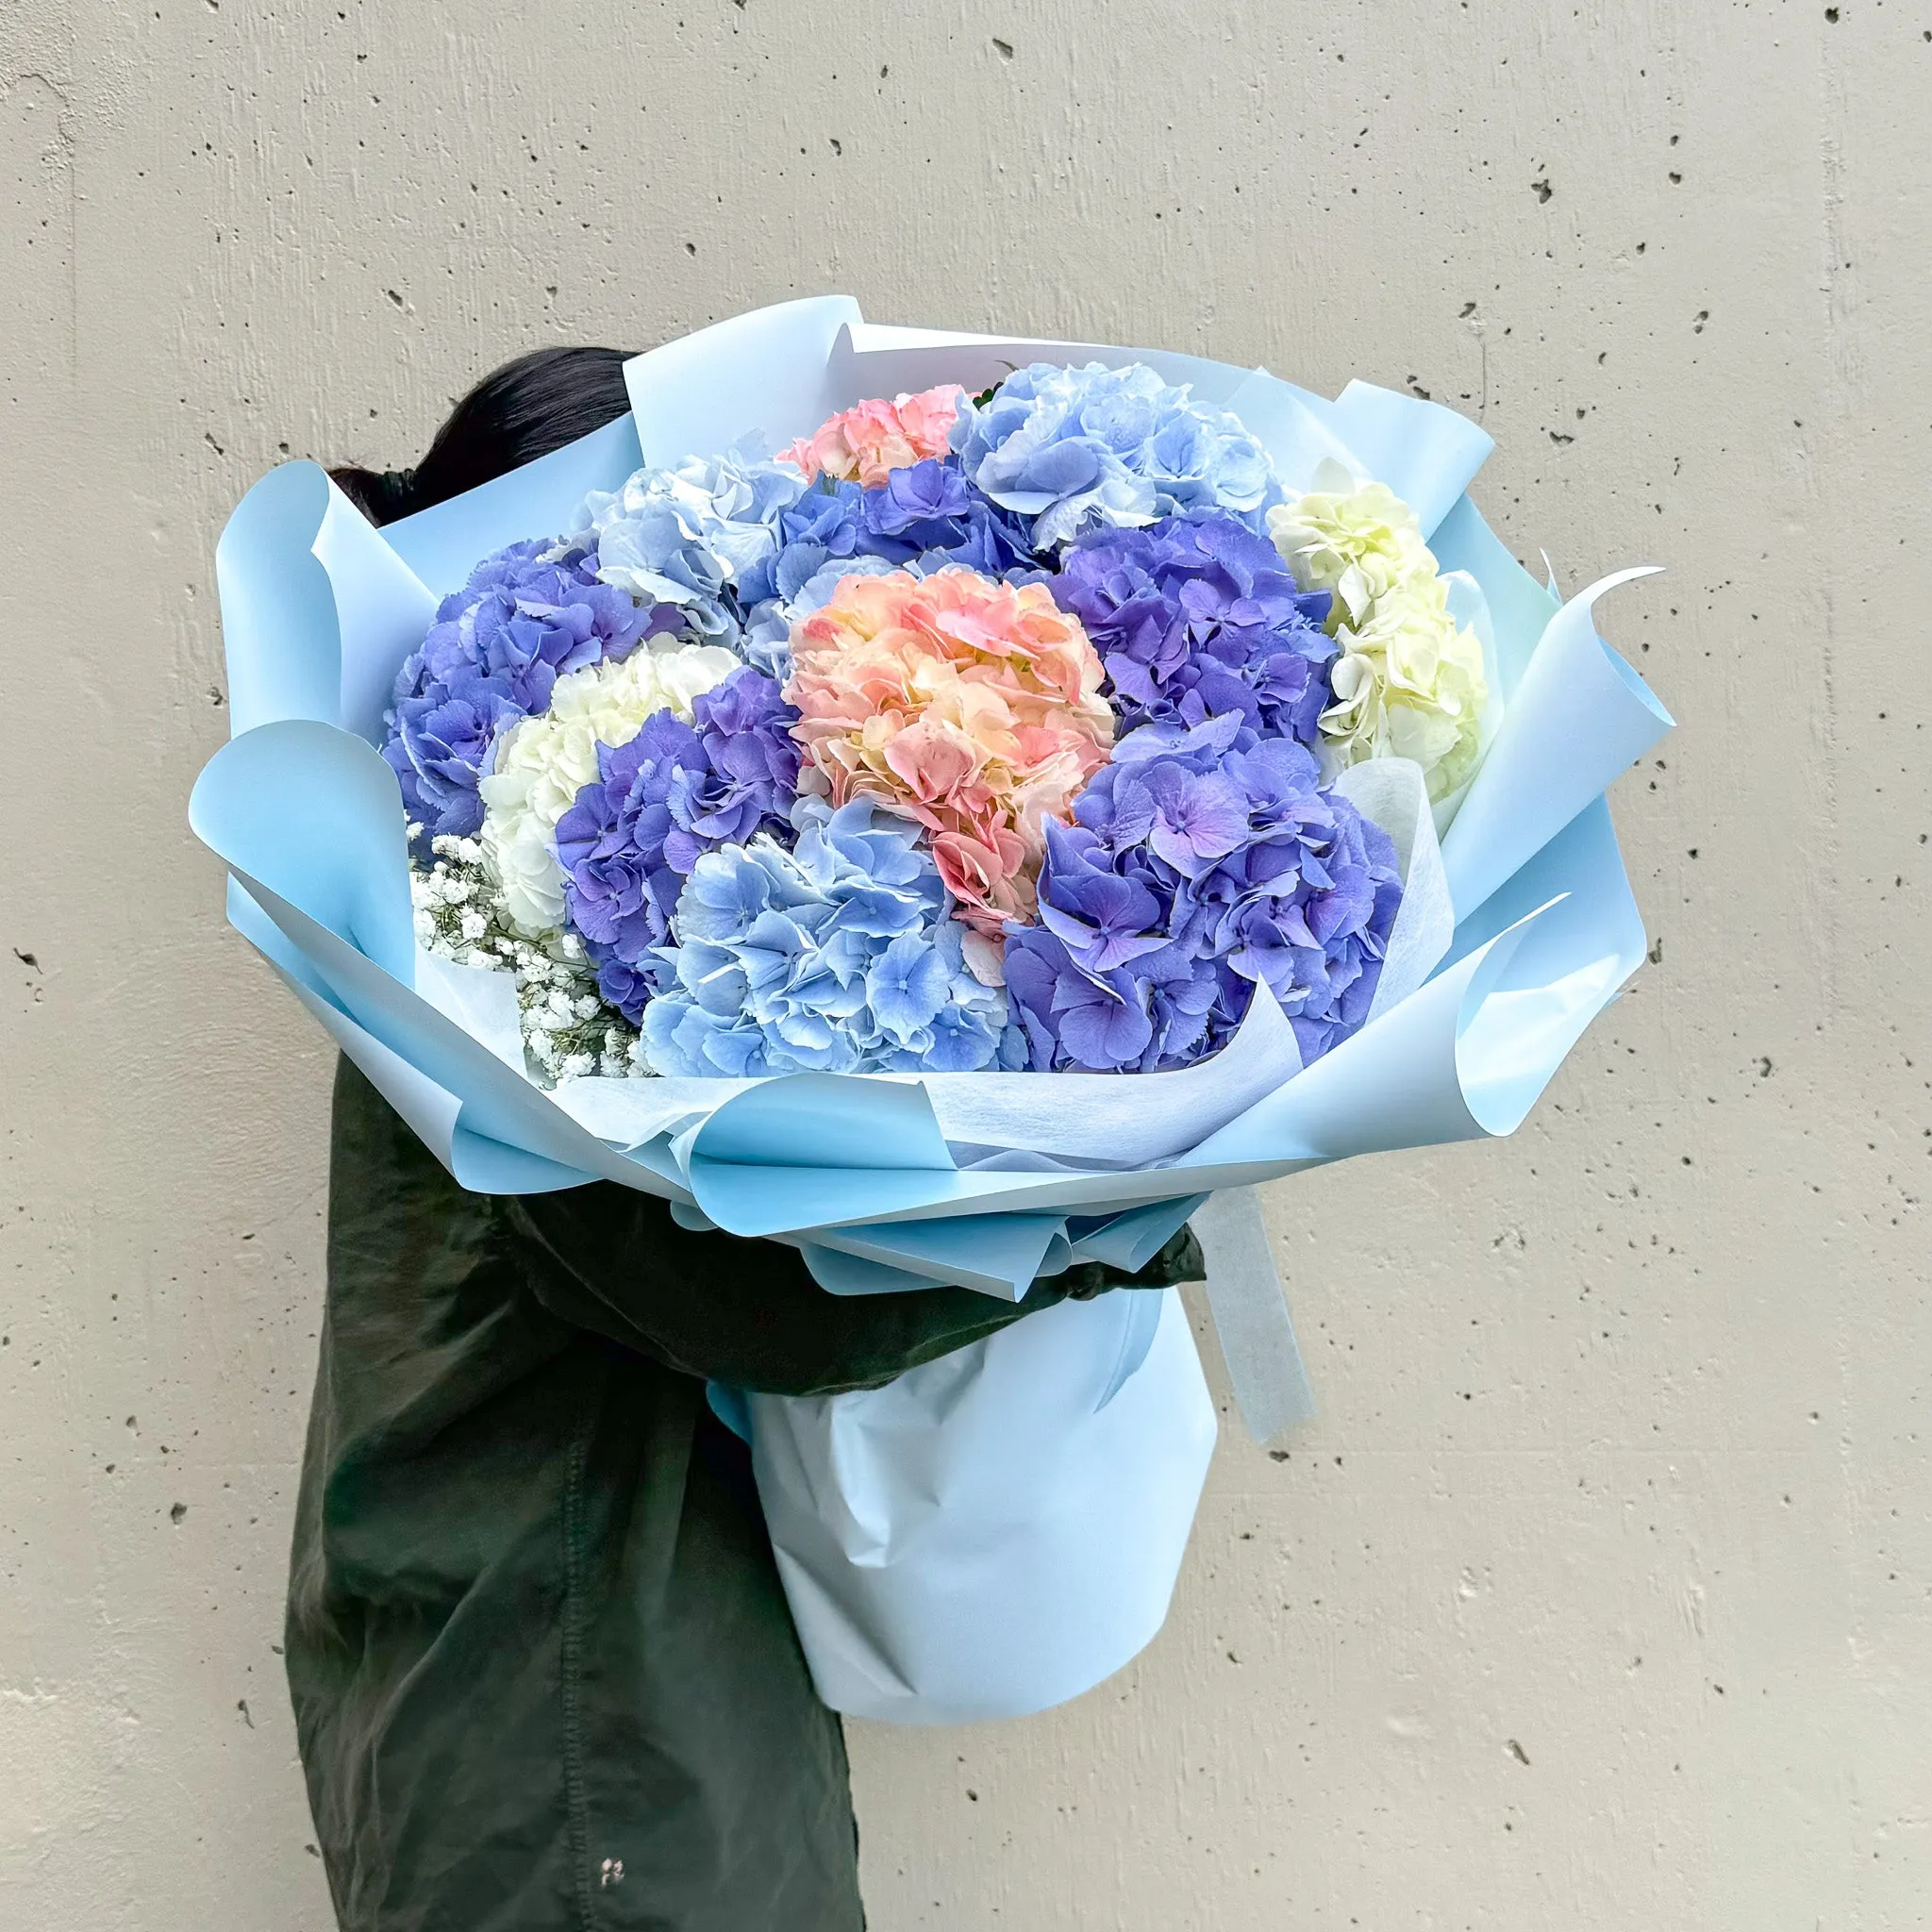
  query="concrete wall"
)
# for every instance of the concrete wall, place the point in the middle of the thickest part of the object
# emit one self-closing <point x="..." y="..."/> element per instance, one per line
<point x="1600" y="1596"/>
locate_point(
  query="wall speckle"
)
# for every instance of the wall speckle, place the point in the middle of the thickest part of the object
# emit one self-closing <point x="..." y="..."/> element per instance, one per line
<point x="1600" y="1594"/>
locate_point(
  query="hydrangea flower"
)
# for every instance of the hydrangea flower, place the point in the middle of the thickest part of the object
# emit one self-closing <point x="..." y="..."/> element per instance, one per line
<point x="1070" y="447"/>
<point x="1194" y="618"/>
<point x="1202" y="861"/>
<point x="1359" y="544"/>
<point x="767" y="642"/>
<point x="660" y="801"/>
<point x="839" y="955"/>
<point x="440" y="745"/>
<point x="938" y="518"/>
<point x="687" y="535"/>
<point x="921" y="518"/>
<point x="1410" y="682"/>
<point x="492" y="657"/>
<point x="873" y="437"/>
<point x="826" y="525"/>
<point x="931" y="509"/>
<point x="544" y="762"/>
<point x="970" y="707"/>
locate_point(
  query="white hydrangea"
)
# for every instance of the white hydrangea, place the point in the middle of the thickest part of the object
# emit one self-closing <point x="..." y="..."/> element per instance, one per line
<point x="544" y="762"/>
<point x="1410" y="682"/>
<point x="1356" y="543"/>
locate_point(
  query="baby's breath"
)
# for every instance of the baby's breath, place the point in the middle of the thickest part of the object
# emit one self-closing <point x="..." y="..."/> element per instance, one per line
<point x="568" y="1030"/>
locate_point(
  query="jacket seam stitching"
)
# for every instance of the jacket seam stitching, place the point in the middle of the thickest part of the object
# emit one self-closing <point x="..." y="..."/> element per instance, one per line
<point x="576" y="1801"/>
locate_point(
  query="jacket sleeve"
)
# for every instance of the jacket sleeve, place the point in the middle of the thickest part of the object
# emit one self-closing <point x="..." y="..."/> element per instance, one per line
<point x="542" y="1666"/>
<point x="748" y="1312"/>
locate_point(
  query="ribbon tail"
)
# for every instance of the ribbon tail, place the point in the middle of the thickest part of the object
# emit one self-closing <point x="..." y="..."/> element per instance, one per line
<point x="1245" y="1294"/>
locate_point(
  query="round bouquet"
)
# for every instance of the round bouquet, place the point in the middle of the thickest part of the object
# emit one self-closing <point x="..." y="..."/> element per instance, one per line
<point x="965" y="733"/>
<point x="960" y="805"/>
<point x="949" y="801"/>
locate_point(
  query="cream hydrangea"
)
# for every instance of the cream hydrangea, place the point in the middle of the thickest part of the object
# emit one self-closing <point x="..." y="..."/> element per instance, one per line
<point x="1409" y="681"/>
<point x="544" y="762"/>
<point x="1409" y="684"/>
<point x="1357" y="543"/>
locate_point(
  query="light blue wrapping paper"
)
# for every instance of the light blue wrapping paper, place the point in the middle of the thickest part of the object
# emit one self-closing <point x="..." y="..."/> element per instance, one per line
<point x="973" y="1569"/>
<point x="1522" y="928"/>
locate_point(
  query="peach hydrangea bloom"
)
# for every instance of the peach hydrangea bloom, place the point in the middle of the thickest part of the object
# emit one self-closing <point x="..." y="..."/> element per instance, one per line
<point x="871" y="440"/>
<point x="968" y="705"/>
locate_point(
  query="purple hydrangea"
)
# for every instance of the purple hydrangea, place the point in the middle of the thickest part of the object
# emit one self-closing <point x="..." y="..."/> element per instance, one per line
<point x="659" y="802"/>
<point x="1202" y="859"/>
<point x="923" y="518"/>
<point x="931" y="508"/>
<point x="492" y="657"/>
<point x="1194" y="618"/>
<point x="441" y="742"/>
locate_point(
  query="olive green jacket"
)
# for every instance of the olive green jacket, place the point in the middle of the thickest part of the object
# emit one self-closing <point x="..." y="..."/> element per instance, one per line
<point x="543" y="1675"/>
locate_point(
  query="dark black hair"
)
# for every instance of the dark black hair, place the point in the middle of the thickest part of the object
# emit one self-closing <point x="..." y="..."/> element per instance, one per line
<point x="516" y="414"/>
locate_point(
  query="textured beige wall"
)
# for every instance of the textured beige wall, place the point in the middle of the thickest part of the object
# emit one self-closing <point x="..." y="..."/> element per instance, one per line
<point x="1600" y="1596"/>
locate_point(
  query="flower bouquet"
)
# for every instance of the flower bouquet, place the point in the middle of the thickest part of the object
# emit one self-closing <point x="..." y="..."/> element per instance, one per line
<point x="952" y="803"/>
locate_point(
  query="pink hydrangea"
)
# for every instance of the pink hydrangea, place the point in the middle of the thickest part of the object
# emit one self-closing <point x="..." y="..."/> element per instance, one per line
<point x="968" y="705"/>
<point x="872" y="439"/>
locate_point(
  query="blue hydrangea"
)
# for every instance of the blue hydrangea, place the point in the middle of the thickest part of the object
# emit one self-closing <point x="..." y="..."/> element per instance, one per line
<point x="1072" y="447"/>
<point x="690" y="536"/>
<point x="931" y="508"/>
<point x="826" y="525"/>
<point x="839" y="955"/>
<point x="492" y="657"/>
<point x="1201" y="861"/>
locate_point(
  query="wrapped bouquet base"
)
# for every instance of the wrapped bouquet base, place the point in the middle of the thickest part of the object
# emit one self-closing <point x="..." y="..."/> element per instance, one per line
<point x="938" y="1581"/>
<point x="921" y="1558"/>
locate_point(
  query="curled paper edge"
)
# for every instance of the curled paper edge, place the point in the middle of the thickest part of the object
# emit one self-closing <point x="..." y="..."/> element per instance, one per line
<point x="317" y="609"/>
<point x="1577" y="720"/>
